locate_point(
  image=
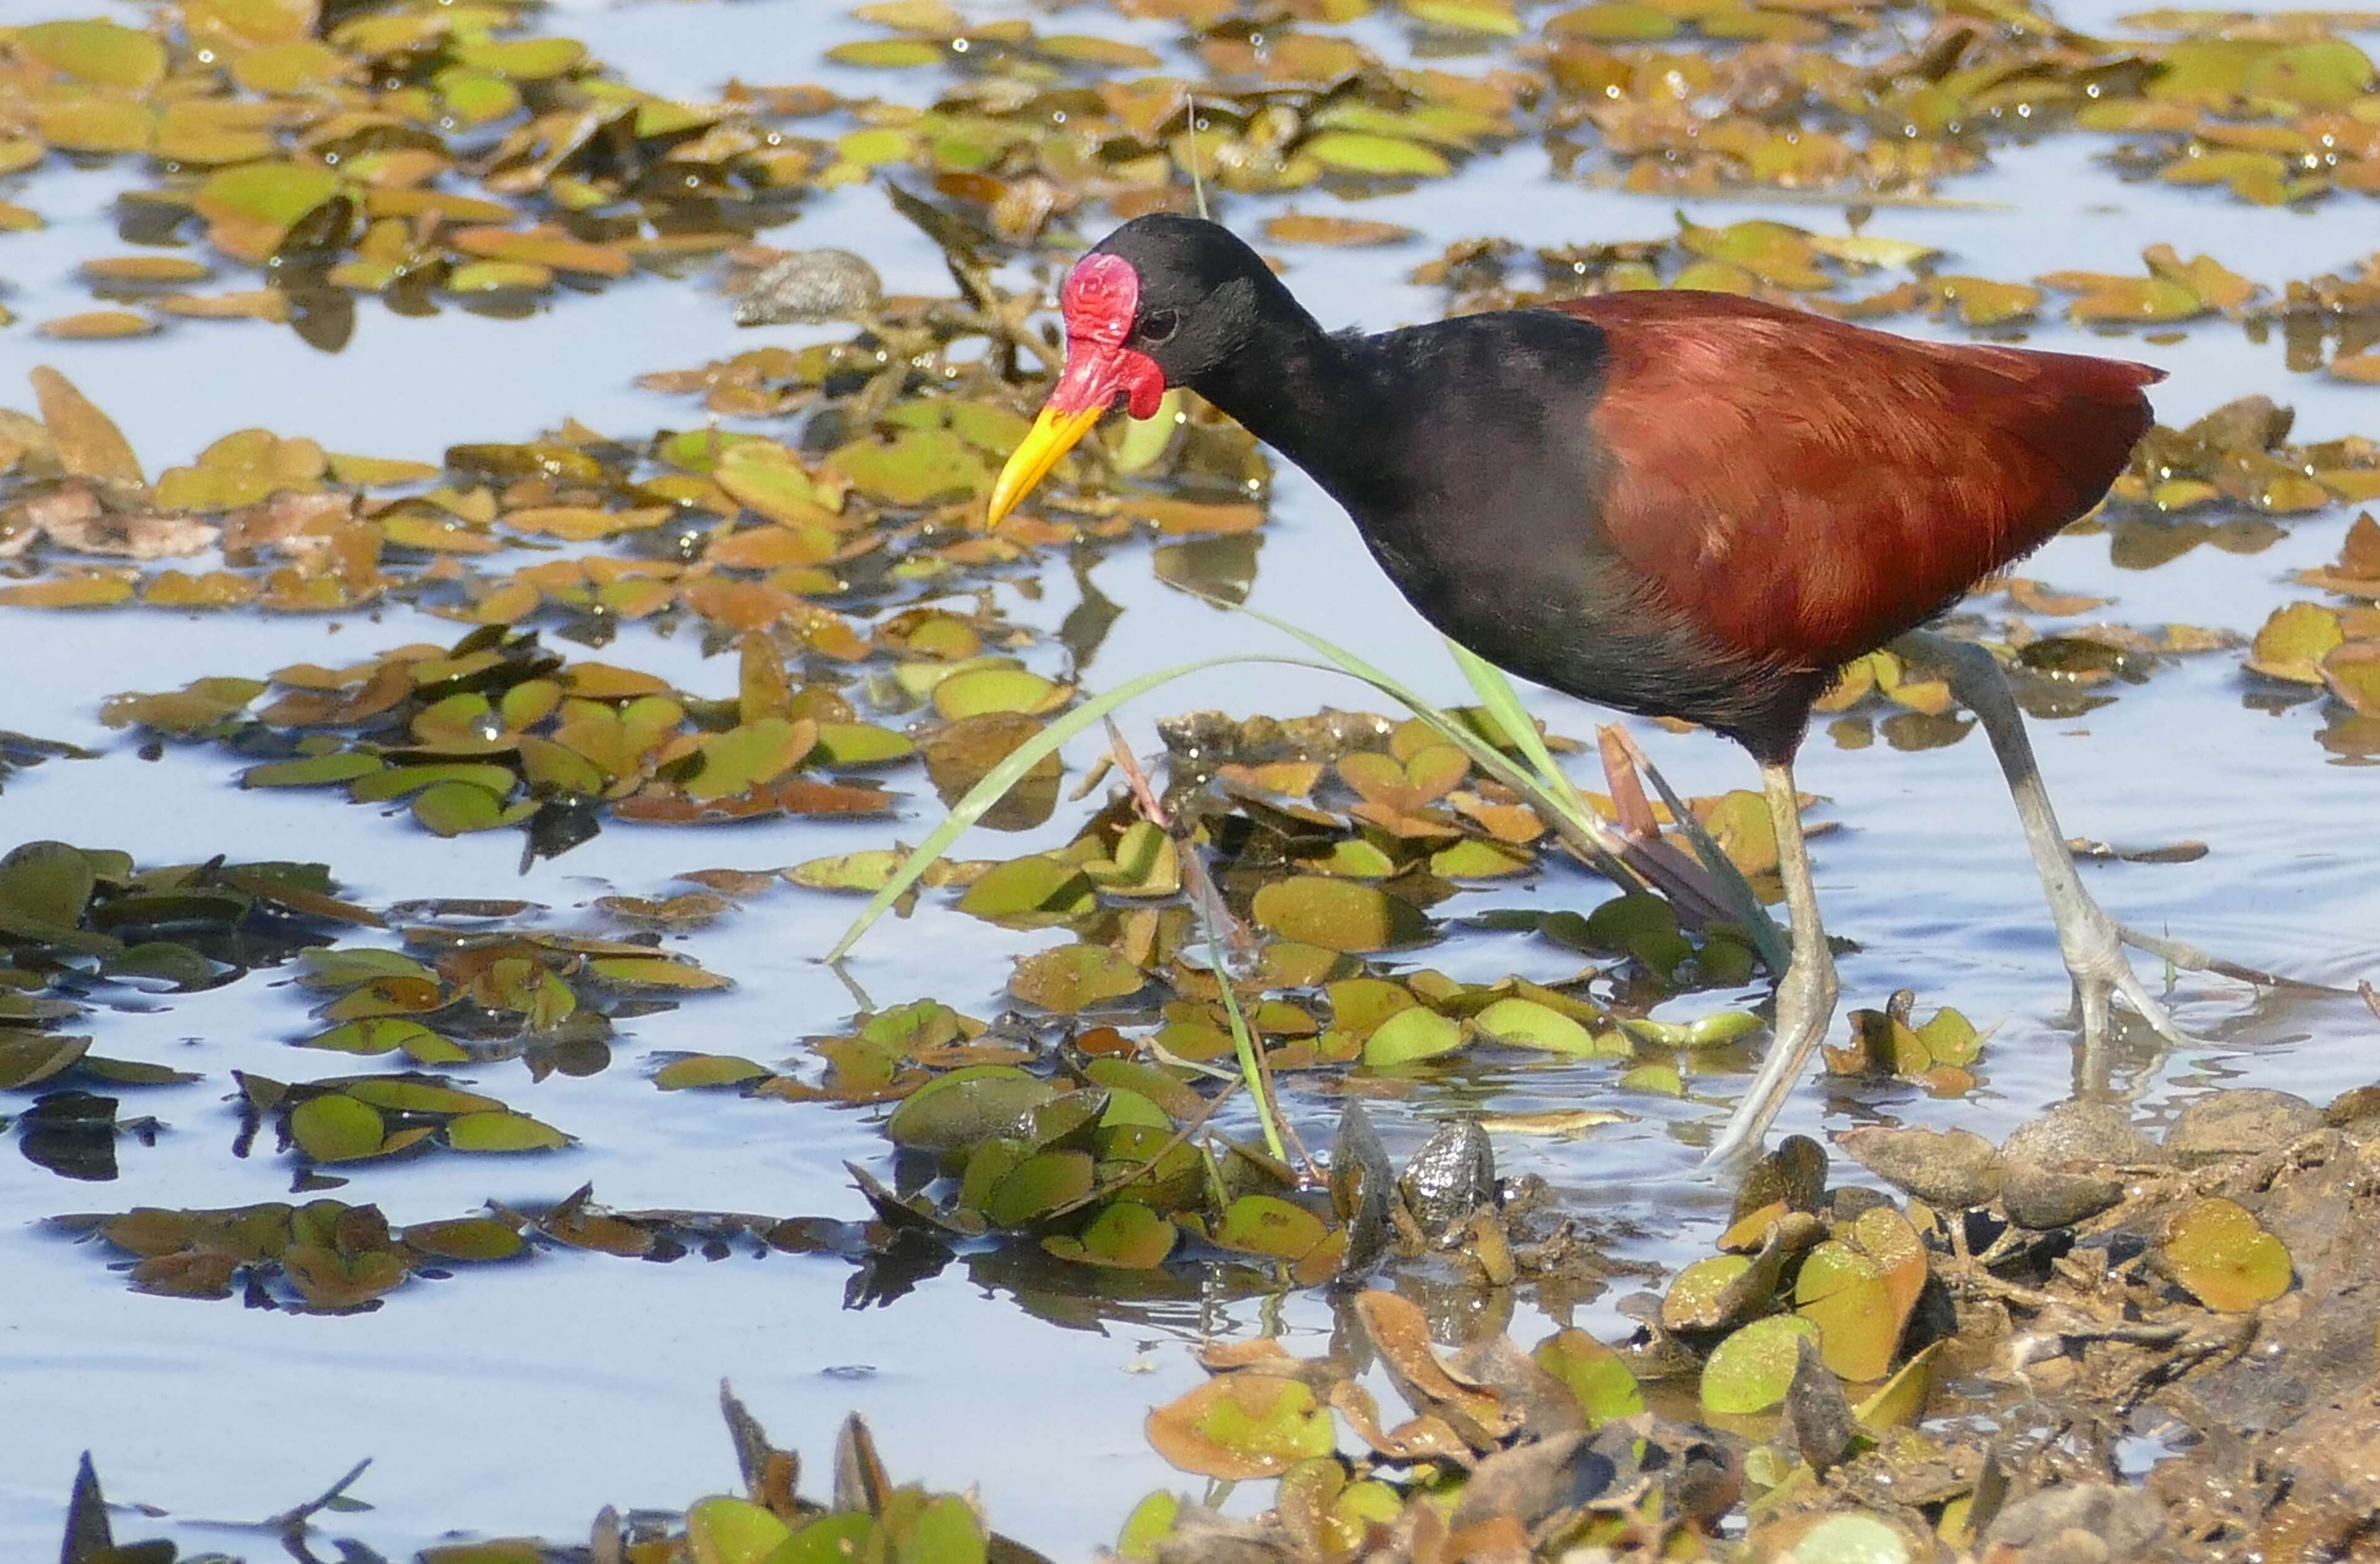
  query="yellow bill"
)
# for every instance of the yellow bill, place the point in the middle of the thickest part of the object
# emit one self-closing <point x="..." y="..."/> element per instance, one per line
<point x="1054" y="434"/>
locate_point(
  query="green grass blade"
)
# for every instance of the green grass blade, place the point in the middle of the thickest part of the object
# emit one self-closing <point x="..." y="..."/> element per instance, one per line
<point x="1006" y="775"/>
<point x="1503" y="703"/>
<point x="1565" y="808"/>
<point x="1244" y="1044"/>
<point x="1587" y="829"/>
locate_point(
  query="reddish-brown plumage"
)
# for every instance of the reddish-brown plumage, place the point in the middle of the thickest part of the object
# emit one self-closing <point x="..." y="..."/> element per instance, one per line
<point x="1849" y="484"/>
<point x="1686" y="504"/>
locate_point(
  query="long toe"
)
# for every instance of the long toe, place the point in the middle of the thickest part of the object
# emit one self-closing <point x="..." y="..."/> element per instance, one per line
<point x="2135" y="994"/>
<point x="2105" y="977"/>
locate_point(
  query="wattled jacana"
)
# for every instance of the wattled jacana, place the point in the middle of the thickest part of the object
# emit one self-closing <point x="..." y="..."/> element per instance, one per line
<point x="1678" y="503"/>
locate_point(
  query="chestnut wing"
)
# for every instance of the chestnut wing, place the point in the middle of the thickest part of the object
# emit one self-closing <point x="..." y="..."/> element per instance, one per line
<point x="1804" y="489"/>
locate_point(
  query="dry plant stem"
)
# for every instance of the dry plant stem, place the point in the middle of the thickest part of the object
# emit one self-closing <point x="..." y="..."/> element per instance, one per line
<point x="292" y="1522"/>
<point x="1806" y="996"/>
<point x="1661" y="865"/>
<point x="1715" y="876"/>
<point x="2092" y="942"/>
<point x="1315" y="1177"/>
<point x="1219" y="922"/>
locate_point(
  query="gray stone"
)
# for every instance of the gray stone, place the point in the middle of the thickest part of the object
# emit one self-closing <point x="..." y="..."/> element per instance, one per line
<point x="1949" y="1169"/>
<point x="2057" y="1168"/>
<point x="2244" y="1123"/>
<point x="2075" y="1523"/>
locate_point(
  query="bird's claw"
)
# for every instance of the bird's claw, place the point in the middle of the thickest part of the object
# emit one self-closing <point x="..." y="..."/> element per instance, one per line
<point x="2103" y="973"/>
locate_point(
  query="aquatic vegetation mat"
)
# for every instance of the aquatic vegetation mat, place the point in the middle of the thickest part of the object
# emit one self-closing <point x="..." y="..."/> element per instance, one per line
<point x="1837" y="1376"/>
<point x="1222" y="980"/>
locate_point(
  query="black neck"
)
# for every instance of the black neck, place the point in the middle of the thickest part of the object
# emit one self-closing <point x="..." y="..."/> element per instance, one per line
<point x="1307" y="393"/>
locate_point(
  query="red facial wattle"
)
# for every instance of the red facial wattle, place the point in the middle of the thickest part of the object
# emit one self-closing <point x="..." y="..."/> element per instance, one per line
<point x="1100" y="298"/>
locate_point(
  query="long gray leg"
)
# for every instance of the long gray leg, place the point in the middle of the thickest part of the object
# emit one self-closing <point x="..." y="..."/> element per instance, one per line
<point x="1806" y="996"/>
<point x="2093" y="941"/>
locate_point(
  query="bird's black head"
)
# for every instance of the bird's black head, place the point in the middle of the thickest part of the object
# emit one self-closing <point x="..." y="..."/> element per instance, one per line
<point x="1200" y="291"/>
<point x="1158" y="303"/>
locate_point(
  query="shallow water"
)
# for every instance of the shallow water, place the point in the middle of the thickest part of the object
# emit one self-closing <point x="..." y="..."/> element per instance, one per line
<point x="522" y="1398"/>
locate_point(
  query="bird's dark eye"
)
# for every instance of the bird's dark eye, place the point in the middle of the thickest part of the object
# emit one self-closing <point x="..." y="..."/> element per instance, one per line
<point x="1159" y="326"/>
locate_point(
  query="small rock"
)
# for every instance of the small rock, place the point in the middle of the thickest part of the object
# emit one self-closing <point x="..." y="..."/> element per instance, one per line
<point x="2356" y="1110"/>
<point x="1847" y="1204"/>
<point x="1452" y="1175"/>
<point x="1360" y="1182"/>
<point x="1817" y="1409"/>
<point x="2250" y="423"/>
<point x="1201" y="1536"/>
<point x="2238" y="1123"/>
<point x="1794" y="1173"/>
<point x="1950" y="1168"/>
<point x="2075" y="1523"/>
<point x="2055" y="1168"/>
<point x="808" y="286"/>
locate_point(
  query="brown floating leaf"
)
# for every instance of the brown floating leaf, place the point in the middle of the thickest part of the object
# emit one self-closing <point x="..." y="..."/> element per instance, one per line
<point x="1400" y="1333"/>
<point x="1242" y="1426"/>
<point x="87" y="443"/>
<point x="1298" y="228"/>
<point x="99" y="326"/>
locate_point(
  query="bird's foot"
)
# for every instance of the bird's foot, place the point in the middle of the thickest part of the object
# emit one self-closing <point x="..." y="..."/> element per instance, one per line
<point x="1805" y="1004"/>
<point x="2094" y="944"/>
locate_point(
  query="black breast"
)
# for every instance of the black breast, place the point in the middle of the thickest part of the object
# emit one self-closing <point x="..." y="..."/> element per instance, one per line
<point x="1478" y="487"/>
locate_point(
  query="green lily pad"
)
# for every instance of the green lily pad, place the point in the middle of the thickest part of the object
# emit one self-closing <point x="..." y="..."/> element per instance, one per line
<point x="2218" y="1250"/>
<point x="1411" y="1036"/>
<point x="503" y="1132"/>
<point x="920" y="466"/>
<point x="655" y="973"/>
<point x="1038" y="1185"/>
<point x="1035" y="892"/>
<point x="743" y="757"/>
<point x="1337" y="914"/>
<point x="1750" y="1370"/>
<point x="1698" y="1298"/>
<point x="314" y="770"/>
<point x="1842" y="1291"/>
<point x="732" y="1531"/>
<point x="275" y="197"/>
<point x="708" y="1069"/>
<point x="1240" y="1425"/>
<point x="452" y="808"/>
<point x="1072" y="978"/>
<point x="104" y="53"/>
<point x="954" y="1111"/>
<point x="48" y="882"/>
<point x="1266" y="1224"/>
<point x="27" y="1061"/>
<point x="830" y="1539"/>
<point x="1356" y="152"/>
<point x="2293" y="642"/>
<point x="338" y="1128"/>
<point x="977" y="691"/>
<point x="1595" y="1374"/>
<point x="1150" y="1522"/>
<point x="388" y="1035"/>
<point x="861" y="744"/>
<point x="476" y="1239"/>
<point x="1525" y="1023"/>
<point x="1124" y="1236"/>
